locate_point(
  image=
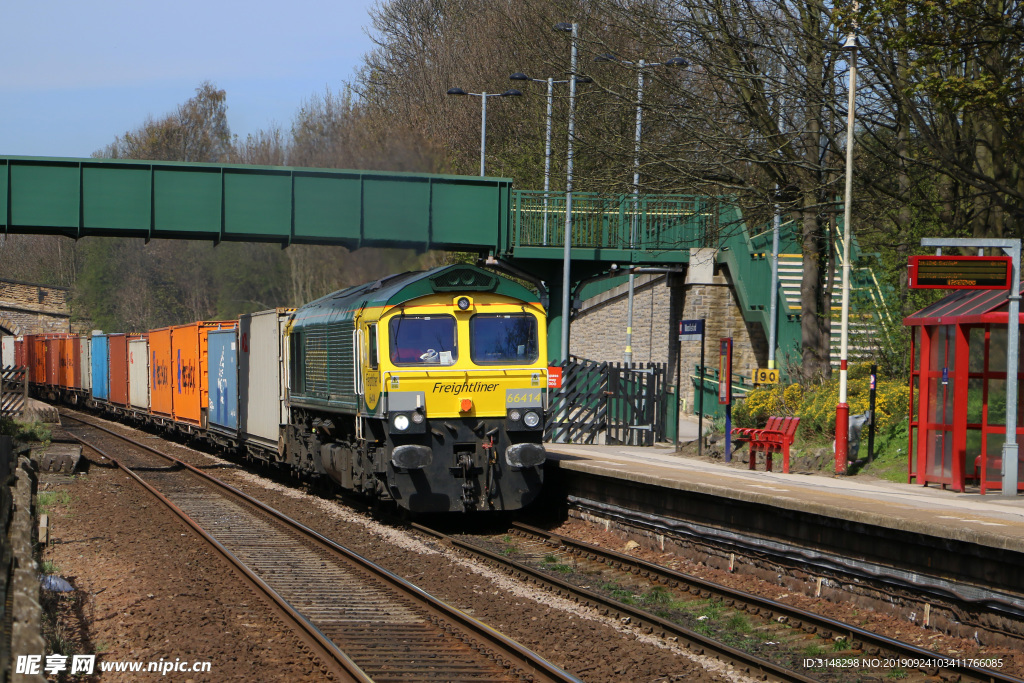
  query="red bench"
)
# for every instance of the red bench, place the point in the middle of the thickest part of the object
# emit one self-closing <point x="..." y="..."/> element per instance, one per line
<point x="777" y="436"/>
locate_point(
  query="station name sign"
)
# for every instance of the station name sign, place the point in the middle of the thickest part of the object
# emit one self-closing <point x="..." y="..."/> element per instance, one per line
<point x="959" y="272"/>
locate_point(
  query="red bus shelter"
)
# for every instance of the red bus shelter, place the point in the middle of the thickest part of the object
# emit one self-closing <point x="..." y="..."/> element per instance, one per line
<point x="958" y="357"/>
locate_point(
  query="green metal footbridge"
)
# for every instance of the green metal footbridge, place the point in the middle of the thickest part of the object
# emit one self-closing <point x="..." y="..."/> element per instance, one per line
<point x="87" y="197"/>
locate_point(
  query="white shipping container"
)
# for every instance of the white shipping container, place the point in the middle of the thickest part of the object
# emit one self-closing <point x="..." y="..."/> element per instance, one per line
<point x="85" y="362"/>
<point x="261" y="376"/>
<point x="138" y="373"/>
<point x="7" y="350"/>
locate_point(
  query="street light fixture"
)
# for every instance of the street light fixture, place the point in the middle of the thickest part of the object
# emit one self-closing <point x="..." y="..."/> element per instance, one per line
<point x="843" y="408"/>
<point x="483" y="114"/>
<point x="519" y="76"/>
<point x="640" y="66"/>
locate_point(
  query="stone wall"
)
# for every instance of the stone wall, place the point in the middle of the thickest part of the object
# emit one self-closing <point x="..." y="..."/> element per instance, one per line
<point x="716" y="303"/>
<point x="19" y="578"/>
<point x="659" y="302"/>
<point x="599" y="330"/>
<point x="27" y="308"/>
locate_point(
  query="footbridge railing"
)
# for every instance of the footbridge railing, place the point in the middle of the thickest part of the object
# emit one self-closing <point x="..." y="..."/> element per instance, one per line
<point x="601" y="221"/>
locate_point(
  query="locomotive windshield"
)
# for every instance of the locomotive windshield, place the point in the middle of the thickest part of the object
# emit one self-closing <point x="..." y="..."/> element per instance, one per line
<point x="503" y="338"/>
<point x="420" y="340"/>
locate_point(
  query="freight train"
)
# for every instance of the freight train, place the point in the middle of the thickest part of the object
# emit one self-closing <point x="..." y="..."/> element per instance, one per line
<point x="428" y="389"/>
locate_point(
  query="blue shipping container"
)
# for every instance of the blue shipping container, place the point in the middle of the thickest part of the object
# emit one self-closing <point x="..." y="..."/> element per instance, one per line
<point x="222" y="374"/>
<point x="100" y="368"/>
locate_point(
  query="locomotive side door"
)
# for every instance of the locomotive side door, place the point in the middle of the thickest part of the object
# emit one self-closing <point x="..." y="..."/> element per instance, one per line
<point x="371" y="370"/>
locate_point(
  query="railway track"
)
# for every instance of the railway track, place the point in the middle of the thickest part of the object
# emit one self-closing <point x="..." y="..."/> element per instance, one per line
<point x="761" y="637"/>
<point x="367" y="623"/>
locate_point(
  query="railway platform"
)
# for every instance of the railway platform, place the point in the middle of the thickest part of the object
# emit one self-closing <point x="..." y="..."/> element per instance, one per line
<point x="966" y="539"/>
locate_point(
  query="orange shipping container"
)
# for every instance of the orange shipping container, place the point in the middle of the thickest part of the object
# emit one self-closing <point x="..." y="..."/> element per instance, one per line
<point x="118" y="359"/>
<point x="36" y="357"/>
<point x="68" y="360"/>
<point x="160" y="399"/>
<point x="76" y="362"/>
<point x="190" y="388"/>
<point x="52" y="344"/>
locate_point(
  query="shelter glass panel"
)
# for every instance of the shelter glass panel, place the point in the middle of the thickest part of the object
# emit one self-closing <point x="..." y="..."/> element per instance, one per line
<point x="996" y="401"/>
<point x="975" y="400"/>
<point x="993" y="456"/>
<point x="972" y="452"/>
<point x="976" y="341"/>
<point x="997" y="349"/>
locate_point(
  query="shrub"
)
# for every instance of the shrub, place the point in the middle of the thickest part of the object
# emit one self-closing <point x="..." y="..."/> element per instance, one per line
<point x="816" y="405"/>
<point x="892" y="400"/>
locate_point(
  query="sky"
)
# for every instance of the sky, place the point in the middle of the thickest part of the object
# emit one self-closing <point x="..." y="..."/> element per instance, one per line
<point x="75" y="75"/>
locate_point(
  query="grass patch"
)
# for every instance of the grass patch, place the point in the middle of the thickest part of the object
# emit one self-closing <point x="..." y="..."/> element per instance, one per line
<point x="511" y="548"/>
<point x="706" y="608"/>
<point x="25" y="431"/>
<point x="47" y="499"/>
<point x="56" y="631"/>
<point x="551" y="562"/>
<point x="656" y="596"/>
<point x="49" y="567"/>
<point x="890" y="461"/>
<point x="897" y="674"/>
<point x="739" y="623"/>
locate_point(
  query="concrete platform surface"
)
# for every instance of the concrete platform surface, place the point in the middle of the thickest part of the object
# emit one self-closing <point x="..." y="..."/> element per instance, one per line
<point x="990" y="520"/>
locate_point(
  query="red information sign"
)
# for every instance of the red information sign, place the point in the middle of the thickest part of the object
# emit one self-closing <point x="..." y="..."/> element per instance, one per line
<point x="959" y="272"/>
<point x="725" y="371"/>
<point x="554" y="377"/>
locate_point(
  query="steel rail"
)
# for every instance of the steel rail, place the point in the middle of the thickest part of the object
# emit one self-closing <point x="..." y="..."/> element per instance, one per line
<point x="525" y="657"/>
<point x="745" y="662"/>
<point x="326" y="649"/>
<point x="820" y="625"/>
<point x="797" y="559"/>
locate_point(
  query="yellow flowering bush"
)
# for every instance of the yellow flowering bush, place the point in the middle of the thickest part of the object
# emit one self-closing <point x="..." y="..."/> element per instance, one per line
<point x="816" y="405"/>
<point x="765" y="401"/>
<point x="892" y="400"/>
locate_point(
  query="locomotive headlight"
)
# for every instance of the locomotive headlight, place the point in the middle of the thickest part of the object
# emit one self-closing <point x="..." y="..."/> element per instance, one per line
<point x="401" y="422"/>
<point x="463" y="303"/>
<point x="417" y="417"/>
<point x="514" y="415"/>
<point x="531" y="419"/>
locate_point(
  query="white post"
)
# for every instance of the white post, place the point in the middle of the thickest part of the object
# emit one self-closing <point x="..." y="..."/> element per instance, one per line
<point x="628" y="356"/>
<point x="547" y="159"/>
<point x="1010" y="448"/>
<point x="483" y="130"/>
<point x="567" y="252"/>
<point x="843" y="409"/>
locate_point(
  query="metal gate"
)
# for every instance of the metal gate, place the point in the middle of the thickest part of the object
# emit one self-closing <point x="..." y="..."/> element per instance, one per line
<point x="626" y="402"/>
<point x="13" y="391"/>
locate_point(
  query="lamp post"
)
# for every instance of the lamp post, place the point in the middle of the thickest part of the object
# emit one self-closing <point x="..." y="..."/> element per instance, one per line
<point x="843" y="409"/>
<point x="640" y="66"/>
<point x="519" y="76"/>
<point x="483" y="114"/>
<point x="573" y="30"/>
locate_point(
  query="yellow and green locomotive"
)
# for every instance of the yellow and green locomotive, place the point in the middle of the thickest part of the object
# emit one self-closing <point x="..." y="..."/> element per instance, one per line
<point x="428" y="389"/>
